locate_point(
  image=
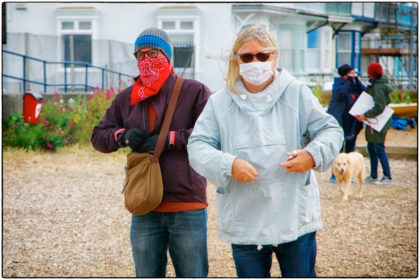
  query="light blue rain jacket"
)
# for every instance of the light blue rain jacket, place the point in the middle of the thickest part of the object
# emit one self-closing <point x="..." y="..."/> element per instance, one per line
<point x="261" y="128"/>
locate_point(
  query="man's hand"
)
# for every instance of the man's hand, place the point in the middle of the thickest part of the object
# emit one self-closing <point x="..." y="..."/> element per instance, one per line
<point x="243" y="171"/>
<point x="360" y="118"/>
<point x="300" y="161"/>
<point x="149" y="144"/>
<point x="133" y="138"/>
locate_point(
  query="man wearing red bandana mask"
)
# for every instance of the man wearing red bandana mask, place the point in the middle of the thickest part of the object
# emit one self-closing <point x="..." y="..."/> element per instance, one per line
<point x="134" y="119"/>
<point x="153" y="74"/>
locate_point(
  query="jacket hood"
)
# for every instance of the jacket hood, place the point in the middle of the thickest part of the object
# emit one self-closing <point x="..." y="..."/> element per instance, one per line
<point x="263" y="100"/>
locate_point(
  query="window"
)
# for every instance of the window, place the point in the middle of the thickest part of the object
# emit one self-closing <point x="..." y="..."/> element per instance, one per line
<point x="343" y="49"/>
<point x="338" y="8"/>
<point x="85" y="25"/>
<point x="77" y="48"/>
<point x="314" y="51"/>
<point x="365" y="10"/>
<point x="183" y="32"/>
<point x="183" y="52"/>
<point x="67" y="25"/>
<point x="348" y="49"/>
<point x="292" y="46"/>
<point x="183" y="55"/>
<point x="182" y="24"/>
<point x="76" y="41"/>
<point x="168" y="25"/>
<point x="286" y="48"/>
<point x="76" y="29"/>
<point x="187" y="25"/>
<point x="319" y="50"/>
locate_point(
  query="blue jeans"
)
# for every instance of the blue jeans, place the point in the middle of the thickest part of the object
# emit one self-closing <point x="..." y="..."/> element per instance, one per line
<point x="377" y="152"/>
<point x="184" y="233"/>
<point x="296" y="258"/>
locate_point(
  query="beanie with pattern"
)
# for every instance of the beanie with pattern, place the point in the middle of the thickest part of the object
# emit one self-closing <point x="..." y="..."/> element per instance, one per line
<point x="153" y="38"/>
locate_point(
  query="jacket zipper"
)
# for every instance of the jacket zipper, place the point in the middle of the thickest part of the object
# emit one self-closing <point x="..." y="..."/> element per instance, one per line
<point x="144" y="119"/>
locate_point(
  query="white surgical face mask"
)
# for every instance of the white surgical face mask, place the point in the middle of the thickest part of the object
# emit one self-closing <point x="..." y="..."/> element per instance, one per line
<point x="256" y="73"/>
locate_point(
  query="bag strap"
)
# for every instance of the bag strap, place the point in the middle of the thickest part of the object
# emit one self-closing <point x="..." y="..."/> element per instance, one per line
<point x="168" y="118"/>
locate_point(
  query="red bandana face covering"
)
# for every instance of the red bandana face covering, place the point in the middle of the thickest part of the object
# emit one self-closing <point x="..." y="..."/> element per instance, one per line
<point x="153" y="74"/>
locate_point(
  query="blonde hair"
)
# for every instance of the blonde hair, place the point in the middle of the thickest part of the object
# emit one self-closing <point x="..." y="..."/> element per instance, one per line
<point x="252" y="32"/>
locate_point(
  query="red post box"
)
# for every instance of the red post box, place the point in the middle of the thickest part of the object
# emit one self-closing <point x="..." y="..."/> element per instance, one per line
<point x="32" y="105"/>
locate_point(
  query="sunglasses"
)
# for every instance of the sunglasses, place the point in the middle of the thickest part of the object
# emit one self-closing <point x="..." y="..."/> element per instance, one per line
<point x="152" y="53"/>
<point x="248" y="57"/>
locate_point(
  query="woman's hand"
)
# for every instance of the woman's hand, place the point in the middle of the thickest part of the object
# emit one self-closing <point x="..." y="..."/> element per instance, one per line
<point x="243" y="171"/>
<point x="300" y="161"/>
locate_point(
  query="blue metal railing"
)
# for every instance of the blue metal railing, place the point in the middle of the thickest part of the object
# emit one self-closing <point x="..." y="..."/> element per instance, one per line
<point x="66" y="65"/>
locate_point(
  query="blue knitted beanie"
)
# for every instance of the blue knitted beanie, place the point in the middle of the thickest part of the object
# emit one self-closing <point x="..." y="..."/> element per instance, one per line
<point x="154" y="38"/>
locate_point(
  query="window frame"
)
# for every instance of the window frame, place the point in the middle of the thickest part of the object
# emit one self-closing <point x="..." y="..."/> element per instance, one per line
<point x="298" y="48"/>
<point x="194" y="32"/>
<point x="323" y="37"/>
<point x="63" y="47"/>
<point x="355" y="49"/>
<point x="362" y="12"/>
<point x="76" y="15"/>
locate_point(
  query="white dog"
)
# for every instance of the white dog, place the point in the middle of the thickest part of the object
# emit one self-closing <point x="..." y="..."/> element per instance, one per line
<point x="347" y="167"/>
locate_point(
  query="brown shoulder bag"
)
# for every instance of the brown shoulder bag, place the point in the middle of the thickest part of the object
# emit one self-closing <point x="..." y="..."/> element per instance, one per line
<point x="143" y="186"/>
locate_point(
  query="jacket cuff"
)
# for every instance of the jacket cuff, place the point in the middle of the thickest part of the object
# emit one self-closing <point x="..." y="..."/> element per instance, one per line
<point x="118" y="133"/>
<point x="315" y="154"/>
<point x="227" y="162"/>
<point x="171" y="139"/>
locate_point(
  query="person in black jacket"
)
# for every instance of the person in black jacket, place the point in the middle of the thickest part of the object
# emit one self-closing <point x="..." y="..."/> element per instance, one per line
<point x="346" y="89"/>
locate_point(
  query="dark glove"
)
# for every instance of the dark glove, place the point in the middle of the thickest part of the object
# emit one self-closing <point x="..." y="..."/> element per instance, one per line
<point x="150" y="144"/>
<point x="133" y="138"/>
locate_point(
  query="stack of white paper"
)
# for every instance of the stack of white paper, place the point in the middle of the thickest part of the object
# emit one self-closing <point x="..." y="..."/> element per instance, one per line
<point x="363" y="104"/>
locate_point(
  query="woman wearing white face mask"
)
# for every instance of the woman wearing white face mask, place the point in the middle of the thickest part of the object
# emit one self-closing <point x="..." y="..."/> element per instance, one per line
<point x="258" y="140"/>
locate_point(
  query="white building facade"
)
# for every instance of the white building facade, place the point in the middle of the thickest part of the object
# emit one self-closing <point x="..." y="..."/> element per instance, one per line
<point x="313" y="38"/>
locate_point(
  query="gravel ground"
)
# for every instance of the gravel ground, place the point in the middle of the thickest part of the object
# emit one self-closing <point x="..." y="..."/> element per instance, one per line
<point x="63" y="216"/>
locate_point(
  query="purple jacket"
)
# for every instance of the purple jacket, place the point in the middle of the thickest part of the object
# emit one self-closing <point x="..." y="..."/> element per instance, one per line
<point x="180" y="182"/>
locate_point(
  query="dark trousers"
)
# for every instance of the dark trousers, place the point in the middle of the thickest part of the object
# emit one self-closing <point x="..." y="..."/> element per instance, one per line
<point x="377" y="152"/>
<point x="296" y="258"/>
<point x="349" y="146"/>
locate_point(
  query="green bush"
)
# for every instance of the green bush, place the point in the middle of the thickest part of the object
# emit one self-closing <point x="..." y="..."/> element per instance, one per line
<point x="90" y="111"/>
<point x="60" y="123"/>
<point x="16" y="133"/>
<point x="54" y="129"/>
<point x="397" y="96"/>
<point x="403" y="96"/>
